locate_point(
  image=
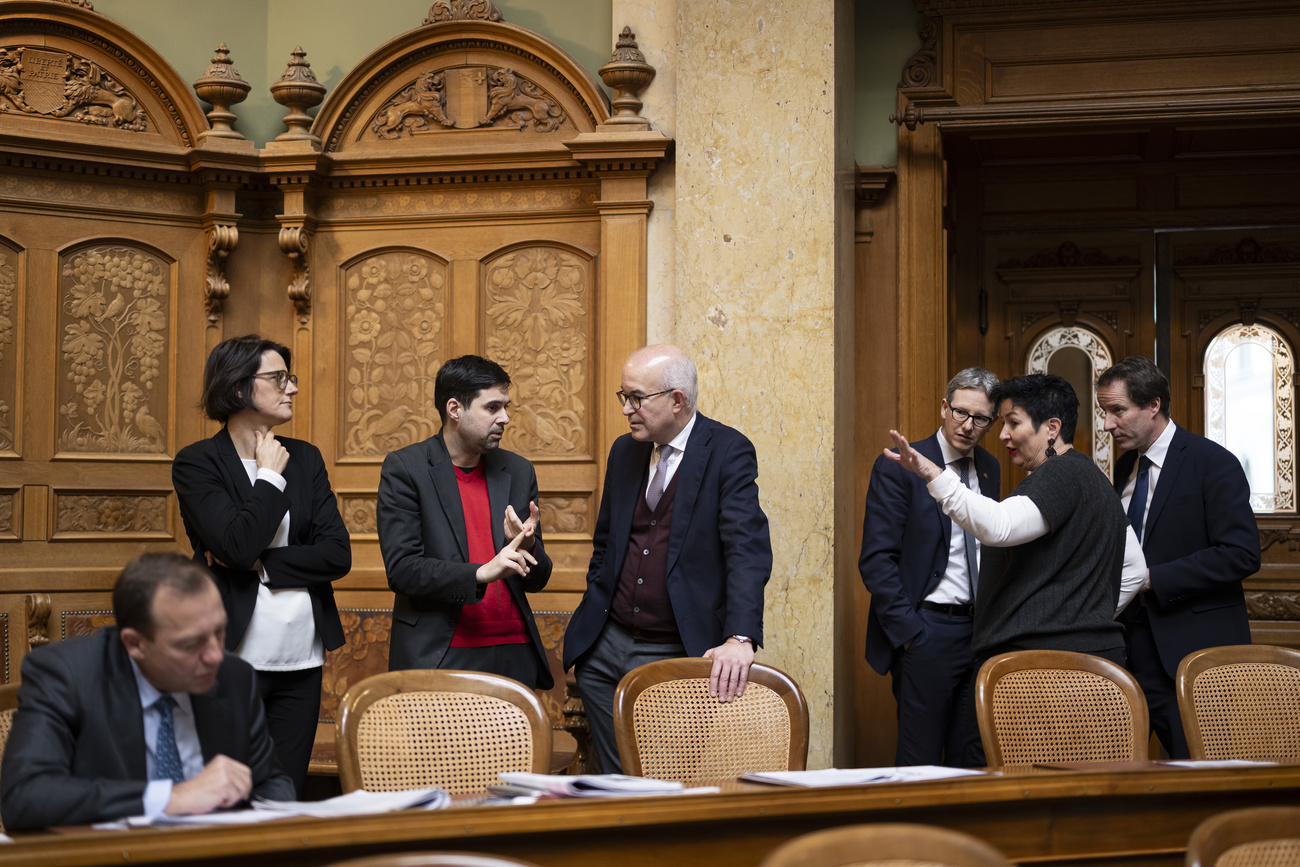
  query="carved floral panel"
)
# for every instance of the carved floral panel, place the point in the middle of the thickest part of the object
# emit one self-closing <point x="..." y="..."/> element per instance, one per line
<point x="565" y="514"/>
<point x="114" y="321"/>
<point x="7" y="498"/>
<point x="538" y="322"/>
<point x="394" y="307"/>
<point x="8" y="351"/>
<point x="364" y="653"/>
<point x="78" y="623"/>
<point x="359" y="513"/>
<point x="108" y="515"/>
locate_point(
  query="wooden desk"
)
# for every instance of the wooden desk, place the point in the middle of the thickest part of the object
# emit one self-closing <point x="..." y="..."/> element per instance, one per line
<point x="1128" y="817"/>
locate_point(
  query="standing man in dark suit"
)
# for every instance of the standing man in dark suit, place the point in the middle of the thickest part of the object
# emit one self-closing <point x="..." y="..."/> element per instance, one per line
<point x="681" y="550"/>
<point x="1189" y="503"/>
<point x="458" y="555"/>
<point x="921" y="569"/>
<point x="147" y="717"/>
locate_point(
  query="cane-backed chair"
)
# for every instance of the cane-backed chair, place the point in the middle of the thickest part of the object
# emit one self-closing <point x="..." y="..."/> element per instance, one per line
<point x="454" y="729"/>
<point x="1241" y="702"/>
<point x="8" y="705"/>
<point x="669" y="728"/>
<point x="1257" y="837"/>
<point x="885" y="845"/>
<point x="1037" y="706"/>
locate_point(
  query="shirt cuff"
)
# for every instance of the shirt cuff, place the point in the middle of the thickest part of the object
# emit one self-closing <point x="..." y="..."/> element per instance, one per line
<point x="156" y="795"/>
<point x="944" y="484"/>
<point x="270" y="475"/>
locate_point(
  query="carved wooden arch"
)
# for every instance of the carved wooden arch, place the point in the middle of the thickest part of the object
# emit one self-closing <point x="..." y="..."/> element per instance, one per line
<point x="117" y="82"/>
<point x="404" y="88"/>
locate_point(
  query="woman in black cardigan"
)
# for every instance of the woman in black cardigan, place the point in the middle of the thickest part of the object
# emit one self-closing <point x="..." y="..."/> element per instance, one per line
<point x="259" y="510"/>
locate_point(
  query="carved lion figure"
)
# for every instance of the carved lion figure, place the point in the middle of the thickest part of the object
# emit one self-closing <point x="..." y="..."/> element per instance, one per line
<point x="524" y="101"/>
<point x="11" y="82"/>
<point x="95" y="98"/>
<point x="413" y="108"/>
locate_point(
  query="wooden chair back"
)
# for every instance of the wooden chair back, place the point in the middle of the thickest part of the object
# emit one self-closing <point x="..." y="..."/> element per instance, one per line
<point x="1241" y="702"/>
<point x="1258" y="837"/>
<point x="8" y="705"/>
<point x="1056" y="706"/>
<point x="434" y="859"/>
<point x="454" y="729"/>
<point x="885" y="845"/>
<point x="669" y="728"/>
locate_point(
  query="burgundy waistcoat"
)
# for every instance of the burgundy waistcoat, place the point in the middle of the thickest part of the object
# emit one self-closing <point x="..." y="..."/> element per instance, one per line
<point x="641" y="605"/>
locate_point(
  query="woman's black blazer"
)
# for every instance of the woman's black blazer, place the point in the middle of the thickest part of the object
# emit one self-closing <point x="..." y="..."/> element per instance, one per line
<point x="236" y="520"/>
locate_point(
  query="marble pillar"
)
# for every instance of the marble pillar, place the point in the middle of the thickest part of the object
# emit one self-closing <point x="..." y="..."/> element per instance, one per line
<point x="763" y="291"/>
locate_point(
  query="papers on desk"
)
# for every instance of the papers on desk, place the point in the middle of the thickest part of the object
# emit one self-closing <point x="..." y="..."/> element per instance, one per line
<point x="358" y="803"/>
<point x="859" y="776"/>
<point x="1215" y="763"/>
<point x="596" y="785"/>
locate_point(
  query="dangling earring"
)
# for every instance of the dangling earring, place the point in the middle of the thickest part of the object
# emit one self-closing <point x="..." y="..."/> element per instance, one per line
<point x="1051" y="452"/>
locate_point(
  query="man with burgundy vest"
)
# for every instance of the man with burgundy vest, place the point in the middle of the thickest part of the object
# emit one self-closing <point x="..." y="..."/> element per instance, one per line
<point x="681" y="551"/>
<point x="457" y="553"/>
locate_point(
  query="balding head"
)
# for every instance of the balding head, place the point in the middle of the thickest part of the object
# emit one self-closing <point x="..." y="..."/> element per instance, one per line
<point x="662" y="387"/>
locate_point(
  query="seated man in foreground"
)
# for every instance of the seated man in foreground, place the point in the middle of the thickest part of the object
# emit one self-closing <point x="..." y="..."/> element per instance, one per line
<point x="150" y="716"/>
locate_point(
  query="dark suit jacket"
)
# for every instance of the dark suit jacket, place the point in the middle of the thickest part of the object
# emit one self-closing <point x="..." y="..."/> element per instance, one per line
<point x="719" y="552"/>
<point x="905" y="538"/>
<point x="236" y="520"/>
<point x="1200" y="541"/>
<point x="76" y="754"/>
<point x="426" y="549"/>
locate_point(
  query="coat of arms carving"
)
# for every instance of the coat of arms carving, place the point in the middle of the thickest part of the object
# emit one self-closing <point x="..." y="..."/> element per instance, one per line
<point x="468" y="98"/>
<point x="56" y="84"/>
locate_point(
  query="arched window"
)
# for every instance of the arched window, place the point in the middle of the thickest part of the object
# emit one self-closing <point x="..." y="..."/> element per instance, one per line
<point x="1250" y="410"/>
<point x="1079" y="355"/>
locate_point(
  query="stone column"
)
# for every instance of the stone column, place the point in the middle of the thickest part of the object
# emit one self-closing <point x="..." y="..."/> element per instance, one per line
<point x="763" y="295"/>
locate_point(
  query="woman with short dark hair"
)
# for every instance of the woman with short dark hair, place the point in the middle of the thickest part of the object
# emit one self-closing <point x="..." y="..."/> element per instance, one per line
<point x="259" y="511"/>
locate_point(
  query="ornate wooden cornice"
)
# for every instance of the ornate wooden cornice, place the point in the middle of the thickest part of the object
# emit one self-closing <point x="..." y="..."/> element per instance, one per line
<point x="872" y="184"/>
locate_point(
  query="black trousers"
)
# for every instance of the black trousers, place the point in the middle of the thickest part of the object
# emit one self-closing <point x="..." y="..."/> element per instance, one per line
<point x="1162" y="699"/>
<point x="517" y="661"/>
<point x="292" y="701"/>
<point x="929" y="681"/>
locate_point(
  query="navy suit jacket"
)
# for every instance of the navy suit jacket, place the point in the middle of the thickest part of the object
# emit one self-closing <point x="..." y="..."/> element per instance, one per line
<point x="1201" y="541"/>
<point x="234" y="519"/>
<point x="905" y="538"/>
<point x="426" y="549"/>
<point x="76" y="754"/>
<point x="719" y="551"/>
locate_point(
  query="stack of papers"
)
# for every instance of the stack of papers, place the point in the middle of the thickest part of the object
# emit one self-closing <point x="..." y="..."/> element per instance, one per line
<point x="859" y="776"/>
<point x="595" y="785"/>
<point x="358" y="803"/>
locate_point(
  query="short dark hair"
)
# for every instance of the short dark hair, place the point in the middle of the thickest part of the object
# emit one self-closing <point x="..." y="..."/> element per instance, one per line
<point x="1145" y="382"/>
<point x="138" y="584"/>
<point x="1042" y="396"/>
<point x="463" y="378"/>
<point x="228" y="375"/>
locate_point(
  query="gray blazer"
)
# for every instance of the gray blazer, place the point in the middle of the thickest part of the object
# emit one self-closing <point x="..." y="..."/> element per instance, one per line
<point x="426" y="549"/>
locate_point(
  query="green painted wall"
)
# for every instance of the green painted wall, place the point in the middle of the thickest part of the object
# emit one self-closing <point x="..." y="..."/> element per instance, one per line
<point x="886" y="39"/>
<point x="336" y="34"/>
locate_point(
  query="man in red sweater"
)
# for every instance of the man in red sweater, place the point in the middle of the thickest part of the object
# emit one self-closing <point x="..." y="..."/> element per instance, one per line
<point x="459" y="551"/>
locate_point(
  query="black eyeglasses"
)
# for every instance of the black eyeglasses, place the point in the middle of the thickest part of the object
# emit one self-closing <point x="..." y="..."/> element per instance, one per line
<point x="637" y="399"/>
<point x="281" y="378"/>
<point x="980" y="421"/>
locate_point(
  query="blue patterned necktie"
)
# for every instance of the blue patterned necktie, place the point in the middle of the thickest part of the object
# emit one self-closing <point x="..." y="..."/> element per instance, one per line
<point x="1137" y="506"/>
<point x="167" y="759"/>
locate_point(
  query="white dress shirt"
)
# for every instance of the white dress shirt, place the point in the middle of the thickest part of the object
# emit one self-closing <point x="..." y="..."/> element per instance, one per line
<point x="1157" y="454"/>
<point x="954" y="588"/>
<point x="674" y="459"/>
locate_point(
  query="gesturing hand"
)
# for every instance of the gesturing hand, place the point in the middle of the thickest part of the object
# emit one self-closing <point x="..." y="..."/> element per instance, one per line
<point x="508" y="559"/>
<point x="513" y="526"/>
<point x="269" y="453"/>
<point x="912" y="460"/>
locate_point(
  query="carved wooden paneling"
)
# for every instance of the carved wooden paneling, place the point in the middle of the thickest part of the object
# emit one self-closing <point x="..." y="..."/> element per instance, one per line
<point x="566" y="513"/>
<point x="10" y="342"/>
<point x="112" y="515"/>
<point x="9" y="512"/>
<point x="115" y="324"/>
<point x="358" y="510"/>
<point x="395" y="307"/>
<point x="364" y="654"/>
<point x="77" y="622"/>
<point x="538" y="322"/>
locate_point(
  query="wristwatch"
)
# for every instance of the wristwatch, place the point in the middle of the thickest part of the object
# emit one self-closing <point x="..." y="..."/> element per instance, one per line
<point x="745" y="639"/>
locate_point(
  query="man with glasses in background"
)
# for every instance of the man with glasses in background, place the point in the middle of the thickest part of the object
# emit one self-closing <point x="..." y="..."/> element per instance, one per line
<point x="922" y="569"/>
<point x="681" y="551"/>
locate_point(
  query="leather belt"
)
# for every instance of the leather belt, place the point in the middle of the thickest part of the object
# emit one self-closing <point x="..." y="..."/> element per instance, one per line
<point x="953" y="609"/>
